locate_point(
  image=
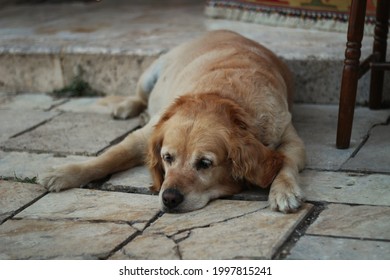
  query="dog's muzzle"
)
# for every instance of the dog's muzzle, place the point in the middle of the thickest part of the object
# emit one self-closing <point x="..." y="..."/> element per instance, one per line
<point x="171" y="198"/>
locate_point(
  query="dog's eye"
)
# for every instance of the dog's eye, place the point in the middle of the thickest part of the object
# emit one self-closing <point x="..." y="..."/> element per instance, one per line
<point x="168" y="158"/>
<point x="204" y="163"/>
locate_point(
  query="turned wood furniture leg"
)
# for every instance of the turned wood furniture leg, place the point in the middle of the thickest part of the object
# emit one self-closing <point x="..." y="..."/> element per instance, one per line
<point x="379" y="53"/>
<point x="350" y="75"/>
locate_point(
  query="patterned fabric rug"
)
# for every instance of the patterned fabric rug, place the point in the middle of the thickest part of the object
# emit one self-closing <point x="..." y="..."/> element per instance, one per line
<point x="327" y="15"/>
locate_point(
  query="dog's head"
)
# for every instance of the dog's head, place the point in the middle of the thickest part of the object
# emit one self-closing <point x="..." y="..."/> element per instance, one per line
<point x="203" y="148"/>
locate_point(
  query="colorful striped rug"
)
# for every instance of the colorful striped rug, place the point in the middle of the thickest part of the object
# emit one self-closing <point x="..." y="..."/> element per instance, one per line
<point x="327" y="15"/>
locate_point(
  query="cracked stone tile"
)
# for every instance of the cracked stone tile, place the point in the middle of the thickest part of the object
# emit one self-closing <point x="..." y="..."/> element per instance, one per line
<point x="73" y="133"/>
<point x="148" y="247"/>
<point x="317" y="124"/>
<point x="181" y="236"/>
<point x="342" y="187"/>
<point x="360" y="221"/>
<point x="222" y="230"/>
<point x="136" y="180"/>
<point x="139" y="225"/>
<point x="29" y="101"/>
<point x="257" y="235"/>
<point x="27" y="165"/>
<point x="86" y="204"/>
<point x="217" y="211"/>
<point x="69" y="239"/>
<point x="13" y="122"/>
<point x="330" y="248"/>
<point x="15" y="195"/>
<point x="374" y="156"/>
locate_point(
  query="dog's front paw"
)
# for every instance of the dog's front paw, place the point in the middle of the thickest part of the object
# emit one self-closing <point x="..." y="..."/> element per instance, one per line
<point x="285" y="195"/>
<point x="61" y="178"/>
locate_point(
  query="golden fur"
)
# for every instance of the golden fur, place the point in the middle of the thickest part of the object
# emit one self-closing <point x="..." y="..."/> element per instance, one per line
<point x="218" y="118"/>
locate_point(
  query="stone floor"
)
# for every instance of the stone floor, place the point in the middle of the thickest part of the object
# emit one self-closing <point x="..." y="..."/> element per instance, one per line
<point x="346" y="215"/>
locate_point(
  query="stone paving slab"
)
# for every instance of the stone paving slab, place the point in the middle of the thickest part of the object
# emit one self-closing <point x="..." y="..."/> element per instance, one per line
<point x="361" y="221"/>
<point x="15" y="195"/>
<point x="84" y="105"/>
<point x="73" y="133"/>
<point x="89" y="224"/>
<point x="67" y="239"/>
<point x="93" y="205"/>
<point x="222" y="230"/>
<point x="330" y="248"/>
<point x="13" y="122"/>
<point x="45" y="102"/>
<point x="148" y="247"/>
<point x="136" y="180"/>
<point x="23" y="165"/>
<point x="34" y="101"/>
<point x="317" y="125"/>
<point x="76" y="224"/>
<point x="253" y="236"/>
<point x="374" y="156"/>
<point x="215" y="212"/>
<point x="343" y="187"/>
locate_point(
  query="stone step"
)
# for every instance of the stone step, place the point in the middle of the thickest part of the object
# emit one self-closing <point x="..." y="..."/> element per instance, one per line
<point x="109" y="43"/>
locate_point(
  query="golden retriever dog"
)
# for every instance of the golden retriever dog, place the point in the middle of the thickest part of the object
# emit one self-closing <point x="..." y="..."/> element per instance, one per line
<point x="218" y="120"/>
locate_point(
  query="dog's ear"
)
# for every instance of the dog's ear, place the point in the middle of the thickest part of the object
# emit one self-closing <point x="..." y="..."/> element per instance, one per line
<point x="154" y="160"/>
<point x="253" y="161"/>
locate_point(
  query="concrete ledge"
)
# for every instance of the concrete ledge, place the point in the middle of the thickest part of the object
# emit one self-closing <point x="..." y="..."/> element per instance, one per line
<point x="113" y="74"/>
<point x="316" y="80"/>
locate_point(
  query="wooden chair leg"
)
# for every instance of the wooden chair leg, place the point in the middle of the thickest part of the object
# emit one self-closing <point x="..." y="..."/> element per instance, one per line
<point x="350" y="75"/>
<point x="379" y="53"/>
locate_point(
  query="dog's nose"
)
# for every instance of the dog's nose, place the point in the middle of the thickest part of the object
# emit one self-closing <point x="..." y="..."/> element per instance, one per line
<point x="172" y="198"/>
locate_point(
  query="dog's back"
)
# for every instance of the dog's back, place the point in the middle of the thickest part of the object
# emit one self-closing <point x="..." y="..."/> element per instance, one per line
<point x="235" y="67"/>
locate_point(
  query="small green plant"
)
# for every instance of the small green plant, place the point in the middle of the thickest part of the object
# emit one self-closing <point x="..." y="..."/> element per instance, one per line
<point x="77" y="88"/>
<point x="33" y="180"/>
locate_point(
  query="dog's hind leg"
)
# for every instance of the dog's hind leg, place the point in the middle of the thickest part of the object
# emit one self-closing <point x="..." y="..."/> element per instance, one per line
<point x="134" y="105"/>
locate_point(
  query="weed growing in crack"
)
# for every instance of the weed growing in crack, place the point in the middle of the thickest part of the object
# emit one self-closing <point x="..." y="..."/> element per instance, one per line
<point x="15" y="178"/>
<point x="77" y="88"/>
